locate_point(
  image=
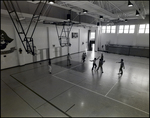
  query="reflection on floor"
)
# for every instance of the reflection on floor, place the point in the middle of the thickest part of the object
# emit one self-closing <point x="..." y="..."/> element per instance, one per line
<point x="74" y="91"/>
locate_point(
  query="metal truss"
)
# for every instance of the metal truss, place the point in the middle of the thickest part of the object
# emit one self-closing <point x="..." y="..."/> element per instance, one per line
<point x="63" y="36"/>
<point x="27" y="41"/>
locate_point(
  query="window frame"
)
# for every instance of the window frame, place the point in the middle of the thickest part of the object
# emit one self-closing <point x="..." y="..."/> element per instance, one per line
<point x="142" y="29"/>
<point x="113" y="29"/>
<point x="131" y="29"/>
<point x="121" y="29"/>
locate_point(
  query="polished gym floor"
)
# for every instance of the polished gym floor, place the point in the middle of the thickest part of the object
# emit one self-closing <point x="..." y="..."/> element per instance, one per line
<point x="76" y="90"/>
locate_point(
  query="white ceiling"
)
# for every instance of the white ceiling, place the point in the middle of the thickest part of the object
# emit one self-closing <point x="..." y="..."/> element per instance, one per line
<point x="110" y="10"/>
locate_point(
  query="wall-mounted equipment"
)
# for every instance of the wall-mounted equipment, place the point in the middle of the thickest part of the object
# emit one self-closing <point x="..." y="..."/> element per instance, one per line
<point x="20" y="50"/>
<point x="74" y="35"/>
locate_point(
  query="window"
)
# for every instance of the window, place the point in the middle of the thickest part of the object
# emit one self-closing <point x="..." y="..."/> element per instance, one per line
<point x="92" y="35"/>
<point x="113" y="29"/>
<point x="147" y="28"/>
<point x="142" y="28"/>
<point x="126" y="29"/>
<point x="108" y="29"/>
<point x="121" y="28"/>
<point x="103" y="29"/>
<point x="132" y="27"/>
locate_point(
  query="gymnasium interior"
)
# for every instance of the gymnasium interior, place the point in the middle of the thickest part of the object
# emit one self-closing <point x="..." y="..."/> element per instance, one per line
<point x="38" y="31"/>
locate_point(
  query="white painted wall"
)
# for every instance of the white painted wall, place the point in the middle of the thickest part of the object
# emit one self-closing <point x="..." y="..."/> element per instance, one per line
<point x="74" y="41"/>
<point x="135" y="39"/>
<point x="11" y="59"/>
<point x="83" y="37"/>
<point x="45" y="36"/>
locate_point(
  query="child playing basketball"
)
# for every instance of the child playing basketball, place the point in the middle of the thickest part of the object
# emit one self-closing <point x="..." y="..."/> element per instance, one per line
<point x="121" y="66"/>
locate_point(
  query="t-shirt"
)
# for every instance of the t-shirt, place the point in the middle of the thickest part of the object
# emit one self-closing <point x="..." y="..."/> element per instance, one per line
<point x="122" y="65"/>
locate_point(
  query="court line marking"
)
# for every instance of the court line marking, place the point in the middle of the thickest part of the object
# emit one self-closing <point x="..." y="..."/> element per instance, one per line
<point x="43" y="98"/>
<point x="103" y="95"/>
<point x="111" y="89"/>
<point x="70" y="107"/>
<point x="65" y="69"/>
<point x="22" y="98"/>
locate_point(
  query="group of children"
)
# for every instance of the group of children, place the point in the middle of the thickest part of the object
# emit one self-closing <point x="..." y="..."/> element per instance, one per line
<point x="100" y="65"/>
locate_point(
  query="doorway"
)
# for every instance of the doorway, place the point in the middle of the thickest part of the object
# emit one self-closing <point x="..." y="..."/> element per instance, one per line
<point x="91" y="40"/>
<point x="91" y="45"/>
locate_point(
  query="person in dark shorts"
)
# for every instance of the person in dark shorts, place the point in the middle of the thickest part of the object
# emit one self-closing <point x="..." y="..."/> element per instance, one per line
<point x="50" y="67"/>
<point x="121" y="67"/>
<point x="83" y="57"/>
<point x="68" y="59"/>
<point x="101" y="61"/>
<point x="94" y="62"/>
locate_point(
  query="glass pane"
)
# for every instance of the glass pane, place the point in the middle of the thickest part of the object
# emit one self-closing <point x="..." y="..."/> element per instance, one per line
<point x="142" y="26"/>
<point x="108" y="27"/>
<point x="120" y="31"/>
<point x="147" y="31"/>
<point x="108" y="31"/>
<point x="147" y="26"/>
<point x="125" y="31"/>
<point x="121" y="27"/>
<point x="126" y="27"/>
<point x="141" y="31"/>
<point x="92" y="34"/>
<point x="112" y="31"/>
<point x="131" y="31"/>
<point x="113" y="27"/>
<point x="132" y="26"/>
<point x="104" y="27"/>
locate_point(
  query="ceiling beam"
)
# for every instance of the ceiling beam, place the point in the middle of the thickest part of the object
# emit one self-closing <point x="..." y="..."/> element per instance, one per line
<point x="138" y="9"/>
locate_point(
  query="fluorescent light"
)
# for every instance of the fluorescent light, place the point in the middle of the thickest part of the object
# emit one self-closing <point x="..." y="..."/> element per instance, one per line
<point x="68" y="16"/>
<point x="137" y="13"/>
<point x="129" y="4"/>
<point x="85" y="11"/>
<point x="51" y="1"/>
<point x="101" y="17"/>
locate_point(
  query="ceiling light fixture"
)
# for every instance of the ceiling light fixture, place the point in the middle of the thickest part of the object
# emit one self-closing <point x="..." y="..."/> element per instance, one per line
<point x="129" y="4"/>
<point x="101" y="17"/>
<point x="68" y="16"/>
<point x="137" y="13"/>
<point x="51" y="1"/>
<point x="85" y="11"/>
<point x="97" y="23"/>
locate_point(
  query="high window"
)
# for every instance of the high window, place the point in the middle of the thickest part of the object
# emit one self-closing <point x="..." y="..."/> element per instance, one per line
<point x="142" y="28"/>
<point x="121" y="27"/>
<point x="147" y="28"/>
<point x="108" y="29"/>
<point x="132" y="27"/>
<point x="92" y="35"/>
<point x="126" y="28"/>
<point x="113" y="29"/>
<point x="103" y="29"/>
